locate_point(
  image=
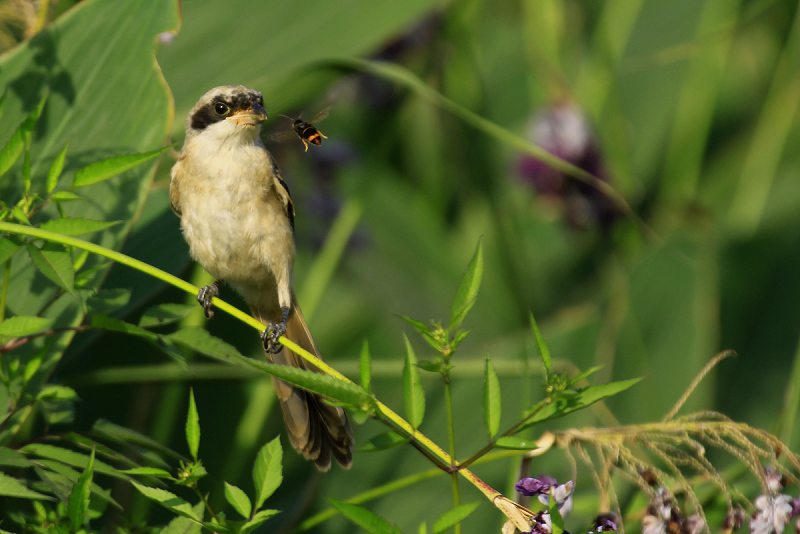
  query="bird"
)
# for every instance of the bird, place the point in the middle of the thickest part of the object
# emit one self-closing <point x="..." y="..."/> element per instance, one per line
<point x="237" y="216"/>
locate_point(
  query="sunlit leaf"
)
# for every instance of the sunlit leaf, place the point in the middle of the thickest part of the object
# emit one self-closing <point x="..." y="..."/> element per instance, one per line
<point x="238" y="499"/>
<point x="110" y="167"/>
<point x="365" y="367"/>
<point x="453" y="516"/>
<point x="19" y="139"/>
<point x="515" y="443"/>
<point x="268" y="471"/>
<point x="23" y="325"/>
<point x="148" y="471"/>
<point x="386" y="440"/>
<point x="11" y="487"/>
<point x="72" y="458"/>
<point x="55" y="169"/>
<point x="168" y="500"/>
<point x="492" y="403"/>
<point x="413" y="394"/>
<point x="57" y="393"/>
<point x="76" y="226"/>
<point x="55" y="264"/>
<point x="79" y="496"/>
<point x="7" y="249"/>
<point x="369" y="521"/>
<point x="467" y="290"/>
<point x="193" y="426"/>
<point x="544" y="352"/>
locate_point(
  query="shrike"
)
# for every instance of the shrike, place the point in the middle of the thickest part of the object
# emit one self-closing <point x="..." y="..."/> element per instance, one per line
<point x="238" y="218"/>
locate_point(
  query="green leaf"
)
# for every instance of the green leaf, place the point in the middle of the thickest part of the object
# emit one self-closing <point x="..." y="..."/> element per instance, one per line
<point x="581" y="400"/>
<point x="110" y="167"/>
<point x="515" y="443"/>
<point x="104" y="322"/>
<point x="7" y="249"/>
<point x="79" y="496"/>
<point x="453" y="517"/>
<point x="149" y="471"/>
<point x="555" y="516"/>
<point x="76" y="226"/>
<point x="369" y="521"/>
<point x="193" y="426"/>
<point x="467" y="290"/>
<point x="258" y="519"/>
<point x="381" y="442"/>
<point x="12" y="458"/>
<point x="55" y="169"/>
<point x="338" y="390"/>
<point x="425" y="330"/>
<point x="543" y="350"/>
<point x="124" y="435"/>
<point x="238" y="499"/>
<point x="65" y="196"/>
<point x="365" y="367"/>
<point x="492" y="403"/>
<point x="163" y="314"/>
<point x="202" y="341"/>
<point x="20" y="138"/>
<point x="55" y="264"/>
<point x="168" y="500"/>
<point x="106" y="300"/>
<point x="268" y="471"/>
<point x="72" y="458"/>
<point x="184" y="525"/>
<point x="57" y="393"/>
<point x="585" y="374"/>
<point x="23" y="325"/>
<point x="11" y="487"/>
<point x="413" y="394"/>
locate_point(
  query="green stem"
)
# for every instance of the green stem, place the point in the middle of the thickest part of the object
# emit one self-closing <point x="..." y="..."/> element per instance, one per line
<point x="448" y="395"/>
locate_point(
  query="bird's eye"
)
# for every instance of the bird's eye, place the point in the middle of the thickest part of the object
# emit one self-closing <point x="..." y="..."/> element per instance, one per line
<point x="221" y="108"/>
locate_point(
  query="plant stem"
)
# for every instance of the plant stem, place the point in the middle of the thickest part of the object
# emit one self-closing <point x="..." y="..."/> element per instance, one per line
<point x="448" y="396"/>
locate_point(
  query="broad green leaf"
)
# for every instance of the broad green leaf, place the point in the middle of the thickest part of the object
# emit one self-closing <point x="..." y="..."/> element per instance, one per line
<point x="11" y="487"/>
<point x="515" y="443"/>
<point x="492" y="403"/>
<point x="110" y="167"/>
<point x="72" y="458"/>
<point x="202" y="341"/>
<point x="23" y="326"/>
<point x="15" y="146"/>
<point x="543" y="350"/>
<point x="67" y="477"/>
<point x="268" y="470"/>
<point x="413" y="394"/>
<point x="238" y="499"/>
<point x="467" y="290"/>
<point x="55" y="169"/>
<point x="184" y="525"/>
<point x="168" y="500"/>
<point x="12" y="458"/>
<point x="76" y="226"/>
<point x="106" y="300"/>
<point x="163" y="314"/>
<point x="7" y="249"/>
<point x="59" y="393"/>
<point x="79" y="496"/>
<point x="454" y="516"/>
<point x="365" y="367"/>
<point x="381" y="442"/>
<point x="579" y="401"/>
<point x="55" y="264"/>
<point x="148" y="471"/>
<point x="258" y="519"/>
<point x="333" y="388"/>
<point x="369" y="521"/>
<point x="192" y="426"/>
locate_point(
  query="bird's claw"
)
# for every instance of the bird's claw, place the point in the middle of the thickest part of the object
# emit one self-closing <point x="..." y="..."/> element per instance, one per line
<point x="204" y="297"/>
<point x="270" y="337"/>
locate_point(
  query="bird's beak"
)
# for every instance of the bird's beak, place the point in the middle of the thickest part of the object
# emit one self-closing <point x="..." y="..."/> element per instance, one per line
<point x="250" y="117"/>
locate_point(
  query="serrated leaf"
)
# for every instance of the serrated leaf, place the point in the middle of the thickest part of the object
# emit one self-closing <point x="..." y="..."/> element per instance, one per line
<point x="20" y="138"/>
<point x="79" y="496"/>
<point x="515" y="443"/>
<point x="425" y="330"/>
<point x="202" y="341"/>
<point x="184" y="525"/>
<point x="544" y="352"/>
<point x="110" y="167"/>
<point x="54" y="264"/>
<point x="268" y="470"/>
<point x="192" y="426"/>
<point x="55" y="169"/>
<point x="582" y="399"/>
<point x="57" y="393"/>
<point x="76" y="226"/>
<point x="467" y="290"/>
<point x="163" y="314"/>
<point x="168" y="500"/>
<point x="454" y="516"/>
<point x="65" y="196"/>
<point x="121" y="434"/>
<point x="413" y="394"/>
<point x="72" y="458"/>
<point x="23" y="325"/>
<point x="383" y="441"/>
<point x="104" y="322"/>
<point x="238" y="499"/>
<point x="258" y="519"/>
<point x="7" y="249"/>
<point x="369" y="521"/>
<point x="11" y="487"/>
<point x="148" y="471"/>
<point x="12" y="458"/>
<point x="338" y="390"/>
<point x="365" y="367"/>
<point x="492" y="402"/>
<point x="106" y="300"/>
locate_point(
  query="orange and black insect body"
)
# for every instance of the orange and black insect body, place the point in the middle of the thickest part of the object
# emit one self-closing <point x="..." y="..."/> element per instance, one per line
<point x="306" y="131"/>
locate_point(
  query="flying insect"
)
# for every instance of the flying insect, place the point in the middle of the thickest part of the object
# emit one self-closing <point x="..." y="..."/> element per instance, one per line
<point x="305" y="130"/>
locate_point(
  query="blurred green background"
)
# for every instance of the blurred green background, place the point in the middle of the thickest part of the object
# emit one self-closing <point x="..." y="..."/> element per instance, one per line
<point x="687" y="108"/>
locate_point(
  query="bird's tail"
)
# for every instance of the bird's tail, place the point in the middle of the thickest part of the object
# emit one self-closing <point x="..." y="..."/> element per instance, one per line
<point x="316" y="429"/>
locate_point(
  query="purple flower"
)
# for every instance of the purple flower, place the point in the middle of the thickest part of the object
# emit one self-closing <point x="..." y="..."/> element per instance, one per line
<point x="562" y="494"/>
<point x="531" y="487"/>
<point x="604" y="523"/>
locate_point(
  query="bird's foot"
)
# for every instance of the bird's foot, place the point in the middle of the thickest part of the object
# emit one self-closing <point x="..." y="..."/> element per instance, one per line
<point x="205" y="295"/>
<point x="269" y="337"/>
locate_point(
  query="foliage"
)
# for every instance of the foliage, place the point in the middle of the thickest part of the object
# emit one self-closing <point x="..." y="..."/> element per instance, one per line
<point x="670" y="238"/>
